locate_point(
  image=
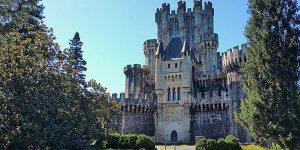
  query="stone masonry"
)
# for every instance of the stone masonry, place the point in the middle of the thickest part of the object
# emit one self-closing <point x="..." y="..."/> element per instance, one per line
<point x="186" y="87"/>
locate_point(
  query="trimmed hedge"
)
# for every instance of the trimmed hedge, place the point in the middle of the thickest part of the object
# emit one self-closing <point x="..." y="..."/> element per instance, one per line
<point x="229" y="143"/>
<point x="129" y="141"/>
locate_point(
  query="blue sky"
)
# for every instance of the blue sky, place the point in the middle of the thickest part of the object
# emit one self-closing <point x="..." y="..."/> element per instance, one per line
<point x="113" y="31"/>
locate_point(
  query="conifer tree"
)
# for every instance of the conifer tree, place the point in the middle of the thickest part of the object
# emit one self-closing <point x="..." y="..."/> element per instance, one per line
<point x="75" y="58"/>
<point x="271" y="110"/>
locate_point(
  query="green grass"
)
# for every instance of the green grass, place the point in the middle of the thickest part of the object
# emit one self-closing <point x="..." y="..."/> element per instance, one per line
<point x="253" y="147"/>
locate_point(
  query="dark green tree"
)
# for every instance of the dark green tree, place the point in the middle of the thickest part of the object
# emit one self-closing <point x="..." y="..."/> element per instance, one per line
<point x="16" y="15"/>
<point x="75" y="59"/>
<point x="272" y="107"/>
<point x="43" y="105"/>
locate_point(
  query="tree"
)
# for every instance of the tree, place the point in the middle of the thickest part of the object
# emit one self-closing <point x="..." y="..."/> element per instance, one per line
<point x="16" y="15"/>
<point x="42" y="105"/>
<point x="75" y="59"/>
<point x="272" y="108"/>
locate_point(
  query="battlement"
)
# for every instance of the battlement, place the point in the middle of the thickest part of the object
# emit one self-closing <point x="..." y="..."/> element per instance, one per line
<point x="209" y="37"/>
<point x="136" y="105"/>
<point x="208" y="103"/>
<point x="150" y="43"/>
<point x="165" y="7"/>
<point x="181" y="5"/>
<point x="212" y="76"/>
<point x="208" y="5"/>
<point x="198" y="4"/>
<point x="129" y="68"/>
<point x="234" y="56"/>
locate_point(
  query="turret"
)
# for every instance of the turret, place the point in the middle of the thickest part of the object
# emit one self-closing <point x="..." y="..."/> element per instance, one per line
<point x="134" y="81"/>
<point x="209" y="21"/>
<point x="159" y="56"/>
<point x="186" y="69"/>
<point x="150" y="47"/>
<point x="198" y="15"/>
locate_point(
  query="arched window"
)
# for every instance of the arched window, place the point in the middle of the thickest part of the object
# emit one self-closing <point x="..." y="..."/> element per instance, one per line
<point x="169" y="94"/>
<point x="174" y="94"/>
<point x="178" y="94"/>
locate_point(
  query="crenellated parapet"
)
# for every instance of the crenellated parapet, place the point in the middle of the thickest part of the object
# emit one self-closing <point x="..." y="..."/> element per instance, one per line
<point x="212" y="77"/>
<point x="234" y="57"/>
<point x="143" y="104"/>
<point x="207" y="103"/>
<point x="185" y="22"/>
<point x="139" y="106"/>
<point x="181" y="5"/>
<point x="136" y="80"/>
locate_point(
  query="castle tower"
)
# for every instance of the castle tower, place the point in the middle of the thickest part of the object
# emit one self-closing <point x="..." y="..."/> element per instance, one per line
<point x="186" y="71"/>
<point x="209" y="41"/>
<point x="162" y="20"/>
<point x="158" y="71"/>
<point x="181" y="8"/>
<point x="134" y="83"/>
<point x="150" y="47"/>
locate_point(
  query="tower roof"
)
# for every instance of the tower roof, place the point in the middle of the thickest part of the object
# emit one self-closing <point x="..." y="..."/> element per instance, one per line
<point x="160" y="49"/>
<point x="173" y="49"/>
<point x="185" y="47"/>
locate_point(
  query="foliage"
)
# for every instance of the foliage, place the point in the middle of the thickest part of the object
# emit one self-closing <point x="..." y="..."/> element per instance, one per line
<point x="229" y="143"/>
<point x="253" y="147"/>
<point x="145" y="142"/>
<point x="16" y="15"/>
<point x="129" y="141"/>
<point x="74" y="57"/>
<point x="42" y="103"/>
<point x="272" y="107"/>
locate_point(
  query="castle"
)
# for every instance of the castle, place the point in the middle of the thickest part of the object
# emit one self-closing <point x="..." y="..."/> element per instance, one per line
<point x="186" y="87"/>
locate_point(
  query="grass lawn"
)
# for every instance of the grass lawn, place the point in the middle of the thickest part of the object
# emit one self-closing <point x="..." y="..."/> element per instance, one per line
<point x="253" y="147"/>
<point x="178" y="147"/>
<point x="192" y="147"/>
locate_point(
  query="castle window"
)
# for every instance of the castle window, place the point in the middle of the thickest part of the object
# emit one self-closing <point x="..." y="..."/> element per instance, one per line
<point x="169" y="65"/>
<point x="175" y="65"/>
<point x="178" y="94"/>
<point x="174" y="94"/>
<point x="169" y="94"/>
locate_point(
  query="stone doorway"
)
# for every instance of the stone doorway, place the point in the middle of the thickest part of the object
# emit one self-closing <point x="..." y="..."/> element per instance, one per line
<point x="174" y="137"/>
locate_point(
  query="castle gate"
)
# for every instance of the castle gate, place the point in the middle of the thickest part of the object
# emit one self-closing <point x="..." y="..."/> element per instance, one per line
<point x="174" y="137"/>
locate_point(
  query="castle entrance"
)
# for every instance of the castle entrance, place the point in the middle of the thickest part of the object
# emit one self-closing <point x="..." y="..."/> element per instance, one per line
<point x="174" y="137"/>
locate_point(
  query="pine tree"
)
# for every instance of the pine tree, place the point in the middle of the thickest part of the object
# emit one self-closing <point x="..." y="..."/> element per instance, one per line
<point x="271" y="110"/>
<point x="75" y="58"/>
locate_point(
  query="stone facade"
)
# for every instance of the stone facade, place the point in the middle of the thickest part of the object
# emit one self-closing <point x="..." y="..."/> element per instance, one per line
<point x="186" y="88"/>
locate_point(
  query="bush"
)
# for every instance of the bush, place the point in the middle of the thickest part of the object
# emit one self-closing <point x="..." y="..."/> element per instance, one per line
<point x="229" y="143"/>
<point x="145" y="142"/>
<point x="113" y="140"/>
<point x="129" y="141"/>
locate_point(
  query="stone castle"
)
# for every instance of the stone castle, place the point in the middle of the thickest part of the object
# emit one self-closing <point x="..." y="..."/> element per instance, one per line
<point x="186" y="87"/>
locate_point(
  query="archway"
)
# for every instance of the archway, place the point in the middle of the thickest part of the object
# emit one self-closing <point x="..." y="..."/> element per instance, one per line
<point x="174" y="137"/>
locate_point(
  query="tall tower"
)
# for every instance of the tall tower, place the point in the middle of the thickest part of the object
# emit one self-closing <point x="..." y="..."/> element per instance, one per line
<point x="162" y="20"/>
<point x="134" y="83"/>
<point x="150" y="47"/>
<point x="207" y="53"/>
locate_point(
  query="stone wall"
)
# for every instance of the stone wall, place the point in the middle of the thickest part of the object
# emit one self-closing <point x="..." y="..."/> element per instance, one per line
<point x="136" y="123"/>
<point x="211" y="124"/>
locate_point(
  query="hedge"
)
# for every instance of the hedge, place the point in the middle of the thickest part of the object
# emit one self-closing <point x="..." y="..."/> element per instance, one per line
<point x="129" y="141"/>
<point x="229" y="143"/>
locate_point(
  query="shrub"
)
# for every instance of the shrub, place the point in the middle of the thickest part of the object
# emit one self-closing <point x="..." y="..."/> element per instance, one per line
<point x="145" y="142"/>
<point x="113" y="140"/>
<point x="129" y="141"/>
<point x="229" y="143"/>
